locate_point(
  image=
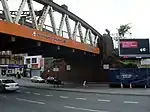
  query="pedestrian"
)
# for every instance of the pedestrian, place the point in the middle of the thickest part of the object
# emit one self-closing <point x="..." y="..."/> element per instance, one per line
<point x="18" y="75"/>
<point x="54" y="82"/>
<point x="84" y="84"/>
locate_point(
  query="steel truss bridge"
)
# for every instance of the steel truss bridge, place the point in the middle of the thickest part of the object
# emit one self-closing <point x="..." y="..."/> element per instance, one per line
<point x="25" y="31"/>
<point x="31" y="25"/>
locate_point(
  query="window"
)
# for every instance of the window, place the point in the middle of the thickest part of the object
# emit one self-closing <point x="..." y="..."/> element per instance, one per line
<point x="28" y="61"/>
<point x="34" y="60"/>
<point x="8" y="81"/>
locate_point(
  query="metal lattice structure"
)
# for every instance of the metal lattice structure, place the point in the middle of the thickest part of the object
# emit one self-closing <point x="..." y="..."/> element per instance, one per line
<point x="38" y="19"/>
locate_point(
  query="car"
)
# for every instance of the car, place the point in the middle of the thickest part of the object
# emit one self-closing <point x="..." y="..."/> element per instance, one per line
<point x="53" y="80"/>
<point x="37" y="79"/>
<point x="8" y="85"/>
<point x="57" y="82"/>
<point x="50" y="80"/>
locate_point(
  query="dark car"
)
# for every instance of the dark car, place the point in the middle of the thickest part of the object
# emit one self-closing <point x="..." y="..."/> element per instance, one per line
<point x="57" y="82"/>
<point x="53" y="80"/>
<point x="50" y="80"/>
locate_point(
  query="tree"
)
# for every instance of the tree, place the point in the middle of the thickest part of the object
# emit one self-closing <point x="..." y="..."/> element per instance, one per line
<point x="123" y="29"/>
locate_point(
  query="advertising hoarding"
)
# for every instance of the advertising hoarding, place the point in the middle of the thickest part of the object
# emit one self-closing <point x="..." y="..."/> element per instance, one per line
<point x="134" y="47"/>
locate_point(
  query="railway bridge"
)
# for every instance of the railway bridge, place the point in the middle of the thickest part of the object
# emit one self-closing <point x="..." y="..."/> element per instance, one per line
<point x="36" y="32"/>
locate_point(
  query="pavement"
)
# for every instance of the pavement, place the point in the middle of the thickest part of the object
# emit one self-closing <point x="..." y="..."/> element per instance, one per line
<point x="37" y="100"/>
<point x="78" y="88"/>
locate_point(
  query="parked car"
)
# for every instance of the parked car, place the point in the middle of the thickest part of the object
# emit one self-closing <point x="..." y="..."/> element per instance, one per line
<point x="53" y="80"/>
<point x="8" y="85"/>
<point x="57" y="82"/>
<point x="37" y="79"/>
<point x="50" y="80"/>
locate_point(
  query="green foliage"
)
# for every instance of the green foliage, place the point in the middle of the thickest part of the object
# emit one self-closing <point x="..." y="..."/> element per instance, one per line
<point x="128" y="64"/>
<point x="123" y="29"/>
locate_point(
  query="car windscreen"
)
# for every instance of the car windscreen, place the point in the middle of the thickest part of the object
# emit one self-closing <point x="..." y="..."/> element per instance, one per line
<point x="8" y="81"/>
<point x="39" y="78"/>
<point x="35" y="77"/>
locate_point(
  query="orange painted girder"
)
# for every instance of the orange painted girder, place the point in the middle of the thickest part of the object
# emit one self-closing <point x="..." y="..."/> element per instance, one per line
<point x="26" y="32"/>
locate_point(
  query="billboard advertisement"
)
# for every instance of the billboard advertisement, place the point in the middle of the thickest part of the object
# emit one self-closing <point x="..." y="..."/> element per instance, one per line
<point x="134" y="47"/>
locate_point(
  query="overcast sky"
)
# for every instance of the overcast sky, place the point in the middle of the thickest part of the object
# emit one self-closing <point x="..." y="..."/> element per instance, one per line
<point x="102" y="14"/>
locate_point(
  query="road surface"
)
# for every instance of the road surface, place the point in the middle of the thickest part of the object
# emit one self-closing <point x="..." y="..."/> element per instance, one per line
<point x="36" y="100"/>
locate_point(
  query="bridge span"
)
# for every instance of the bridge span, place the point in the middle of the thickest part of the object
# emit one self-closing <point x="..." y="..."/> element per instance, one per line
<point x="24" y="31"/>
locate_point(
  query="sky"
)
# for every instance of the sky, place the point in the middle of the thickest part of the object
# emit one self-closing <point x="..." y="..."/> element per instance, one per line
<point x="102" y="14"/>
<point x="108" y="14"/>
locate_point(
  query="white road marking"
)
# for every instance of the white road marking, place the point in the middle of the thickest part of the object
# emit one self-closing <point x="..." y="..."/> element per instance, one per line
<point x="27" y="92"/>
<point x="63" y="97"/>
<point x="81" y="98"/>
<point x="31" y="101"/>
<point x="131" y="102"/>
<point x="48" y="95"/>
<point x="103" y="100"/>
<point x="37" y="93"/>
<point x="84" y="109"/>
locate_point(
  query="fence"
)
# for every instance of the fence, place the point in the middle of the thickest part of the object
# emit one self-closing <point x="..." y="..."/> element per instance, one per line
<point x="128" y="76"/>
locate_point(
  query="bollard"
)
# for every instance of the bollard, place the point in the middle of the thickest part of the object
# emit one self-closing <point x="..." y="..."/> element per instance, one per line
<point x="145" y="86"/>
<point x="130" y="85"/>
<point x="121" y="85"/>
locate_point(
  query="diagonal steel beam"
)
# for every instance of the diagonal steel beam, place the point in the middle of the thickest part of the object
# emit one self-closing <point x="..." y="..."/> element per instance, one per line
<point x="80" y="33"/>
<point x="86" y="35"/>
<point x="52" y="20"/>
<point x="95" y="40"/>
<point x="20" y="10"/>
<point x="72" y="16"/>
<point x="68" y="27"/>
<point x="75" y="30"/>
<point x="32" y="12"/>
<point x="90" y="37"/>
<point x="43" y="17"/>
<point x="6" y="11"/>
<point x="61" y="24"/>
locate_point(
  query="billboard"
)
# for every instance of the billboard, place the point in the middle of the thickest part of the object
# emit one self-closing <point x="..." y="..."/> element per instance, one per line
<point x="134" y="47"/>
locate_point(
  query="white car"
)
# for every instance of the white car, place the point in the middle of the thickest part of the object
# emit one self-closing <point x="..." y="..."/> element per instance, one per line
<point x="8" y="85"/>
<point x="37" y="79"/>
